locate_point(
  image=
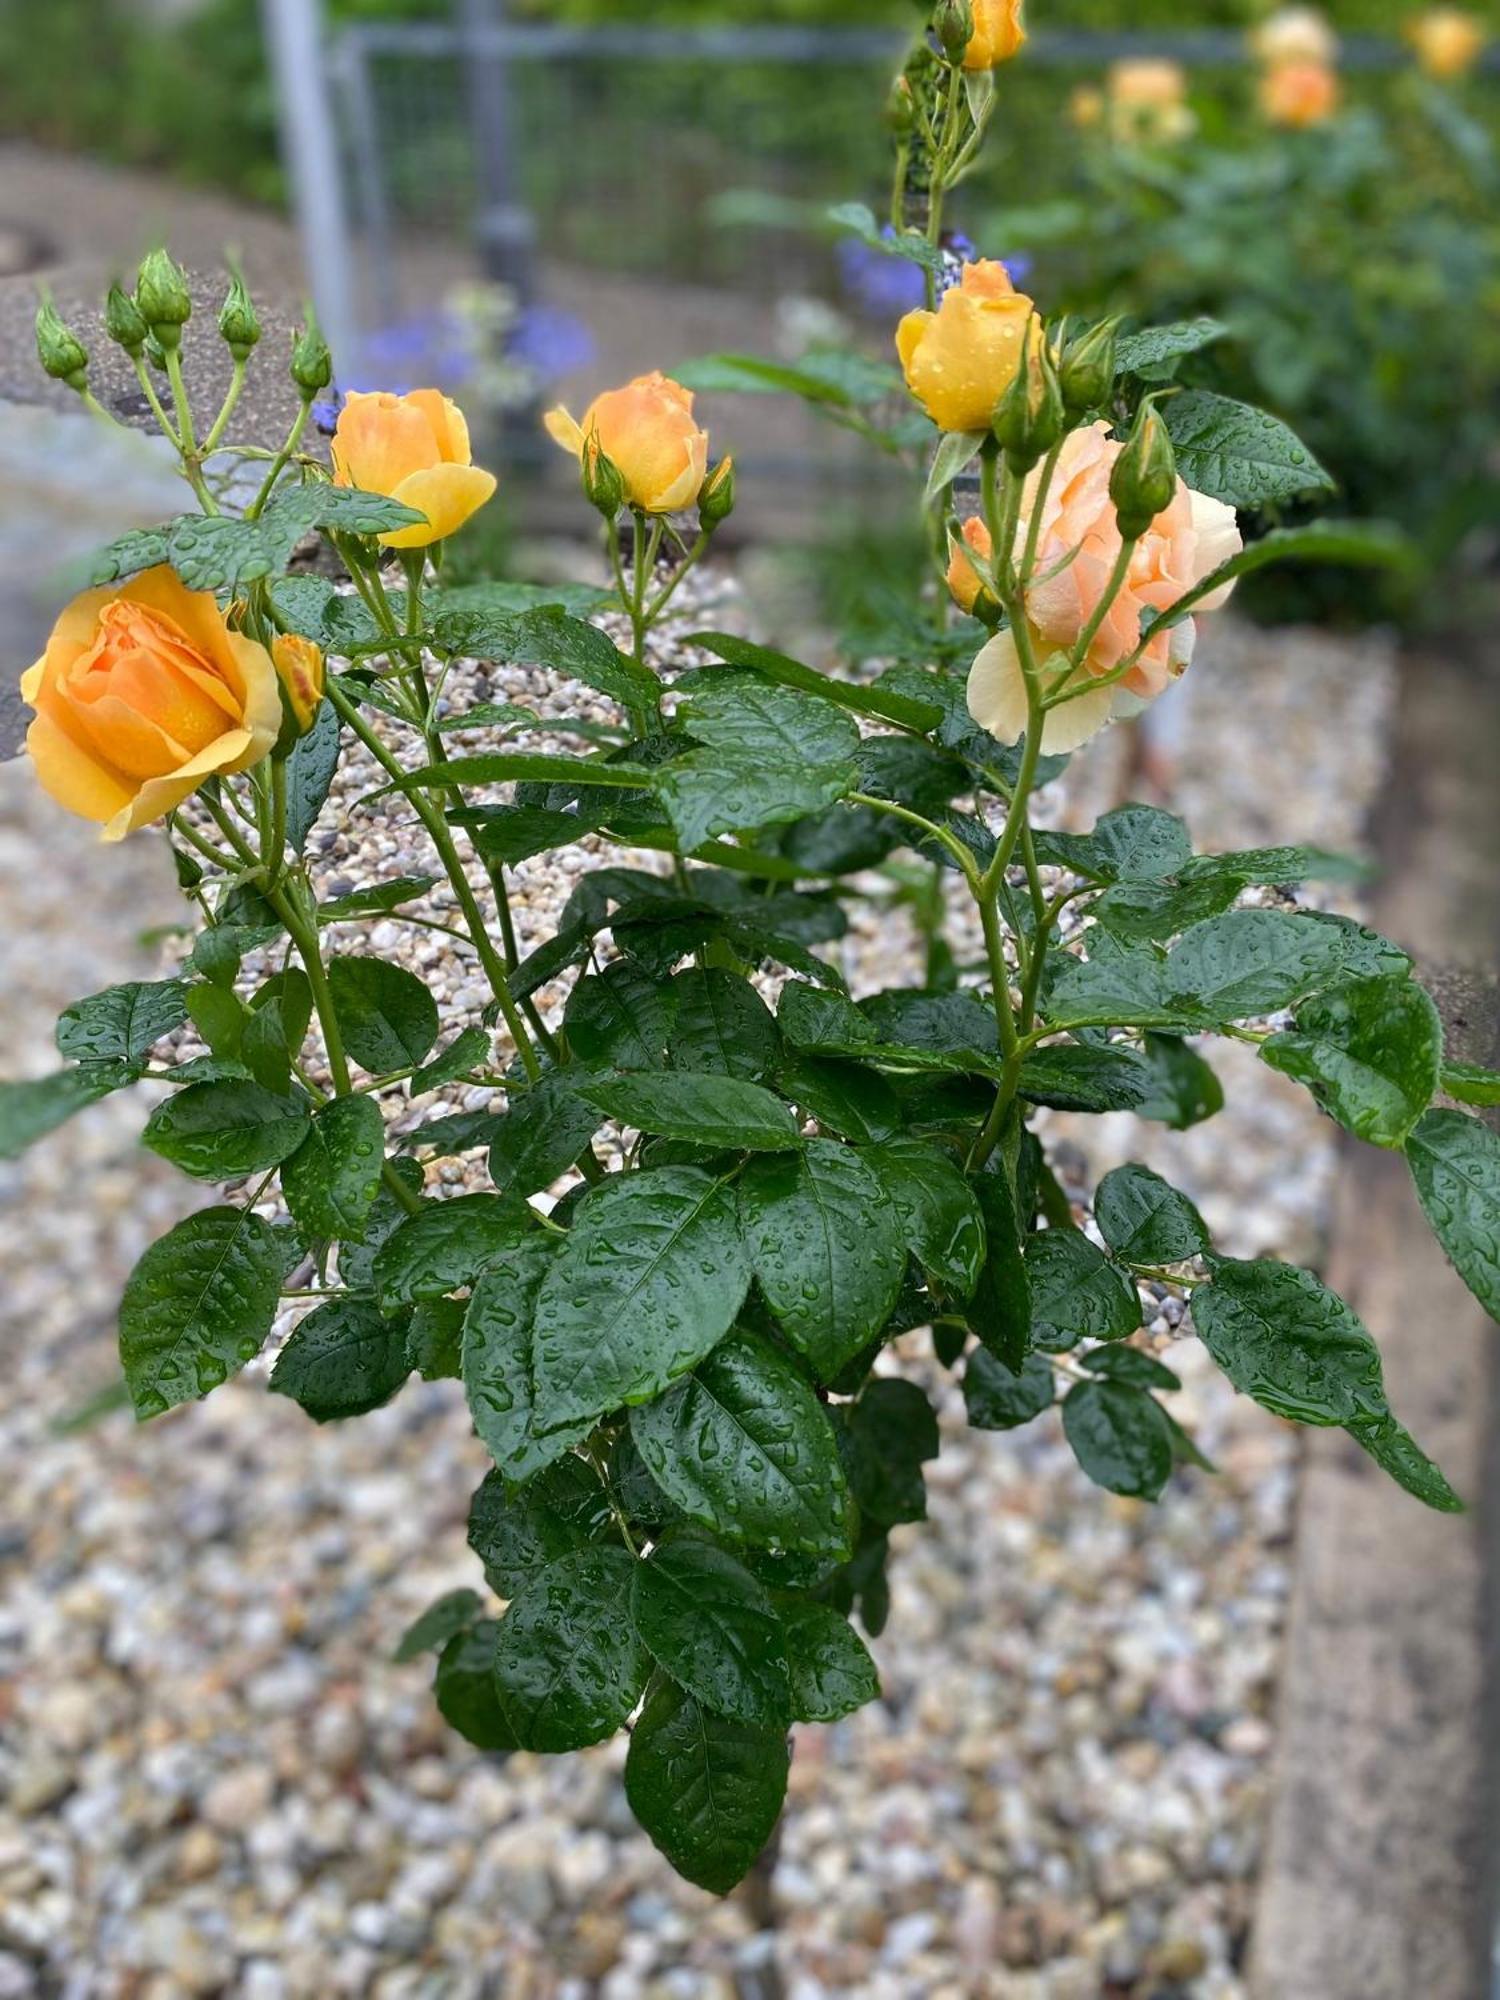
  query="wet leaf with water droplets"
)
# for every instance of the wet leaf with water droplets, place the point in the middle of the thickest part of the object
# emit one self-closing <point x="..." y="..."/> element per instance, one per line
<point x="831" y="1671"/>
<point x="498" y="1363"/>
<point x="518" y="1531"/>
<point x="446" y="1246"/>
<point x="342" y="1360"/>
<point x="332" y="1179"/>
<point x="569" y="1664"/>
<point x="707" y="1790"/>
<point x="464" y="1685"/>
<point x="711" y="1626"/>
<point x="198" y="1306"/>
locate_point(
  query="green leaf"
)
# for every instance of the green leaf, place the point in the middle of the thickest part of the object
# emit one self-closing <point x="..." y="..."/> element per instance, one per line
<point x="1144" y="1220"/>
<point x="921" y="715"/>
<point x="500" y="767"/>
<point x="716" y="790"/>
<point x="938" y="1023"/>
<point x="844" y="1097"/>
<point x="1153" y="352"/>
<point x="332" y="1179"/>
<point x="467" y="1696"/>
<point x="826" y="1023"/>
<point x="1000" y="1310"/>
<point x="1076" y="1293"/>
<point x="1134" y="1365"/>
<point x="224" y="1131"/>
<point x="1133" y="843"/>
<point x="517" y="1532"/>
<point x="650" y="1279"/>
<point x="1360" y="544"/>
<point x="123" y="1023"/>
<point x="446" y="1245"/>
<point x="829" y="1665"/>
<point x="357" y="1259"/>
<point x="708" y="1110"/>
<point x="829" y="1279"/>
<point x="743" y="1446"/>
<point x="940" y="1214"/>
<point x="198" y="1306"/>
<point x="711" y="1626"/>
<point x="376" y="900"/>
<point x="30" y="1110"/>
<point x="706" y="1790"/>
<point x="220" y="552"/>
<point x="499" y="1365"/>
<point x="497" y="715"/>
<point x="1251" y="962"/>
<point x="1120" y="1436"/>
<point x="343" y="1360"/>
<point x="464" y="1053"/>
<point x="1370" y="1051"/>
<point x="513" y="834"/>
<point x="1471" y="1084"/>
<point x="998" y="1398"/>
<point x="388" y="1018"/>
<point x="909" y="244"/>
<point x="1276" y="867"/>
<point x="1135" y="911"/>
<point x="619" y="1019"/>
<point x="1283" y="1338"/>
<point x="721" y="1025"/>
<point x="733" y="709"/>
<point x="1184" y="1090"/>
<point x="889" y="1435"/>
<point x="309" y="775"/>
<point x="548" y="636"/>
<point x="568" y="1663"/>
<point x="1235" y="453"/>
<point x="956" y="451"/>
<point x="434" y="1334"/>
<point x="541" y="1135"/>
<point x="840" y="380"/>
<point x="1455" y="1162"/>
<point x="1081" y="1077"/>
<point x="1122" y="987"/>
<point x="443" y="1619"/>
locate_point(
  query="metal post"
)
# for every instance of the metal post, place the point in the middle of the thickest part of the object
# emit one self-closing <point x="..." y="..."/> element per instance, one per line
<point x="505" y="230"/>
<point x="309" y="145"/>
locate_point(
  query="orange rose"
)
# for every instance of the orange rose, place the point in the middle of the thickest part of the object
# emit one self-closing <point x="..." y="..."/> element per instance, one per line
<point x="1077" y="546"/>
<point x="960" y="360"/>
<point x="142" y="693"/>
<point x="964" y="580"/>
<point x="1299" y="94"/>
<point x="414" y="449"/>
<point x="647" y="432"/>
<point x="1447" y="41"/>
<point x="299" y="665"/>
<point x="999" y="34"/>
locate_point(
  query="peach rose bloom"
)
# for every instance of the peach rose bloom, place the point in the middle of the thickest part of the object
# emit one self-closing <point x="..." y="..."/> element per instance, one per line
<point x="648" y="431"/>
<point x="1295" y="34"/>
<point x="965" y="581"/>
<point x="415" y="449"/>
<point x="1077" y="547"/>
<point x="999" y="34"/>
<point x="960" y="360"/>
<point x="1148" y="104"/>
<point x="142" y="693"/>
<point x="1299" y="94"/>
<point x="1447" y="41"/>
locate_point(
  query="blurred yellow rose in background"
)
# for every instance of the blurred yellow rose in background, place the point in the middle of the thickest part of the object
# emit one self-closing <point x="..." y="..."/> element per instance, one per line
<point x="142" y="693"/>
<point x="1295" y="34"/>
<point x="648" y="432"/>
<point x="960" y="360"/>
<point x="1147" y="100"/>
<point x="1299" y="94"/>
<point x="415" y="449"/>
<point x="999" y="34"/>
<point x="1448" y="41"/>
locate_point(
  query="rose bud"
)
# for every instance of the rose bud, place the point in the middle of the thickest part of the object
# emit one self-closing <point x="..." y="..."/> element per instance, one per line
<point x="960" y="360"/>
<point x="647" y="429"/>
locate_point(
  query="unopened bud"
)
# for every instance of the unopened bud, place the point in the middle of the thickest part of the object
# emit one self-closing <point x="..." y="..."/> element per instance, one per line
<point x="312" y="364"/>
<point x="953" y="23"/>
<point x="1143" y="483"/>
<point x="300" y="669"/>
<point x="122" y="320"/>
<point x="716" y="497"/>
<point x="155" y="353"/>
<point x="1087" y="373"/>
<point x="901" y="109"/>
<point x="162" y="298"/>
<point x="60" y="351"/>
<point x="603" y="481"/>
<point x="238" y="325"/>
<point x="1030" y="419"/>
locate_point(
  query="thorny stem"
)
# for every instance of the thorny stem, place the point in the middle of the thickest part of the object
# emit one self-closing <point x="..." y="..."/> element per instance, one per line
<point x="279" y="462"/>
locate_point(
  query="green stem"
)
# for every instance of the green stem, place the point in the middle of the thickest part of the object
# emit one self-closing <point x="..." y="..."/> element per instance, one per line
<point x="148" y="389"/>
<point x="226" y="408"/>
<point x="940" y="834"/>
<point x="279" y="463"/>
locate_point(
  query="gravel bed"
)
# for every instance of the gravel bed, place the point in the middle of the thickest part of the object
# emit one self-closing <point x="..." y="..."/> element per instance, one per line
<point x="213" y="1780"/>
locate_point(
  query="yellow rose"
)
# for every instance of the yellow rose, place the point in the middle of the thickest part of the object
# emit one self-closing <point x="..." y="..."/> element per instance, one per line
<point x="647" y="432"/>
<point x="1295" y="34"/>
<point x="999" y="34"/>
<point x="299" y="664"/>
<point x="1299" y="94"/>
<point x="960" y="360"/>
<point x="414" y="449"/>
<point x="965" y="580"/>
<point x="142" y="693"/>
<point x="1447" y="41"/>
<point x="1148" y="102"/>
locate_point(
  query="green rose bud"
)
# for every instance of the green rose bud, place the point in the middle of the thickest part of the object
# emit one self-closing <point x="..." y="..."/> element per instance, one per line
<point x="603" y="482"/>
<point x="953" y="24"/>
<point x="716" y="498"/>
<point x="312" y="364"/>
<point x="1144" y="481"/>
<point x="122" y="320"/>
<point x="60" y="351"/>
<point x="162" y="299"/>
<point x="901" y="108"/>
<point x="1029" y="418"/>
<point x="1088" y="369"/>
<point x="238" y="325"/>
<point x="155" y="353"/>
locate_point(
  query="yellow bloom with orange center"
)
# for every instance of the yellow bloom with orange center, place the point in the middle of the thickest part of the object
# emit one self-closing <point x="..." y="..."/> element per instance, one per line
<point x="999" y="34"/>
<point x="1299" y="94"/>
<point x="415" y="449"/>
<point x="966" y="578"/>
<point x="1448" y="41"/>
<point x="960" y="360"/>
<point x="142" y="693"/>
<point x="299" y="664"/>
<point x="648" y="432"/>
<point x="1147" y="100"/>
